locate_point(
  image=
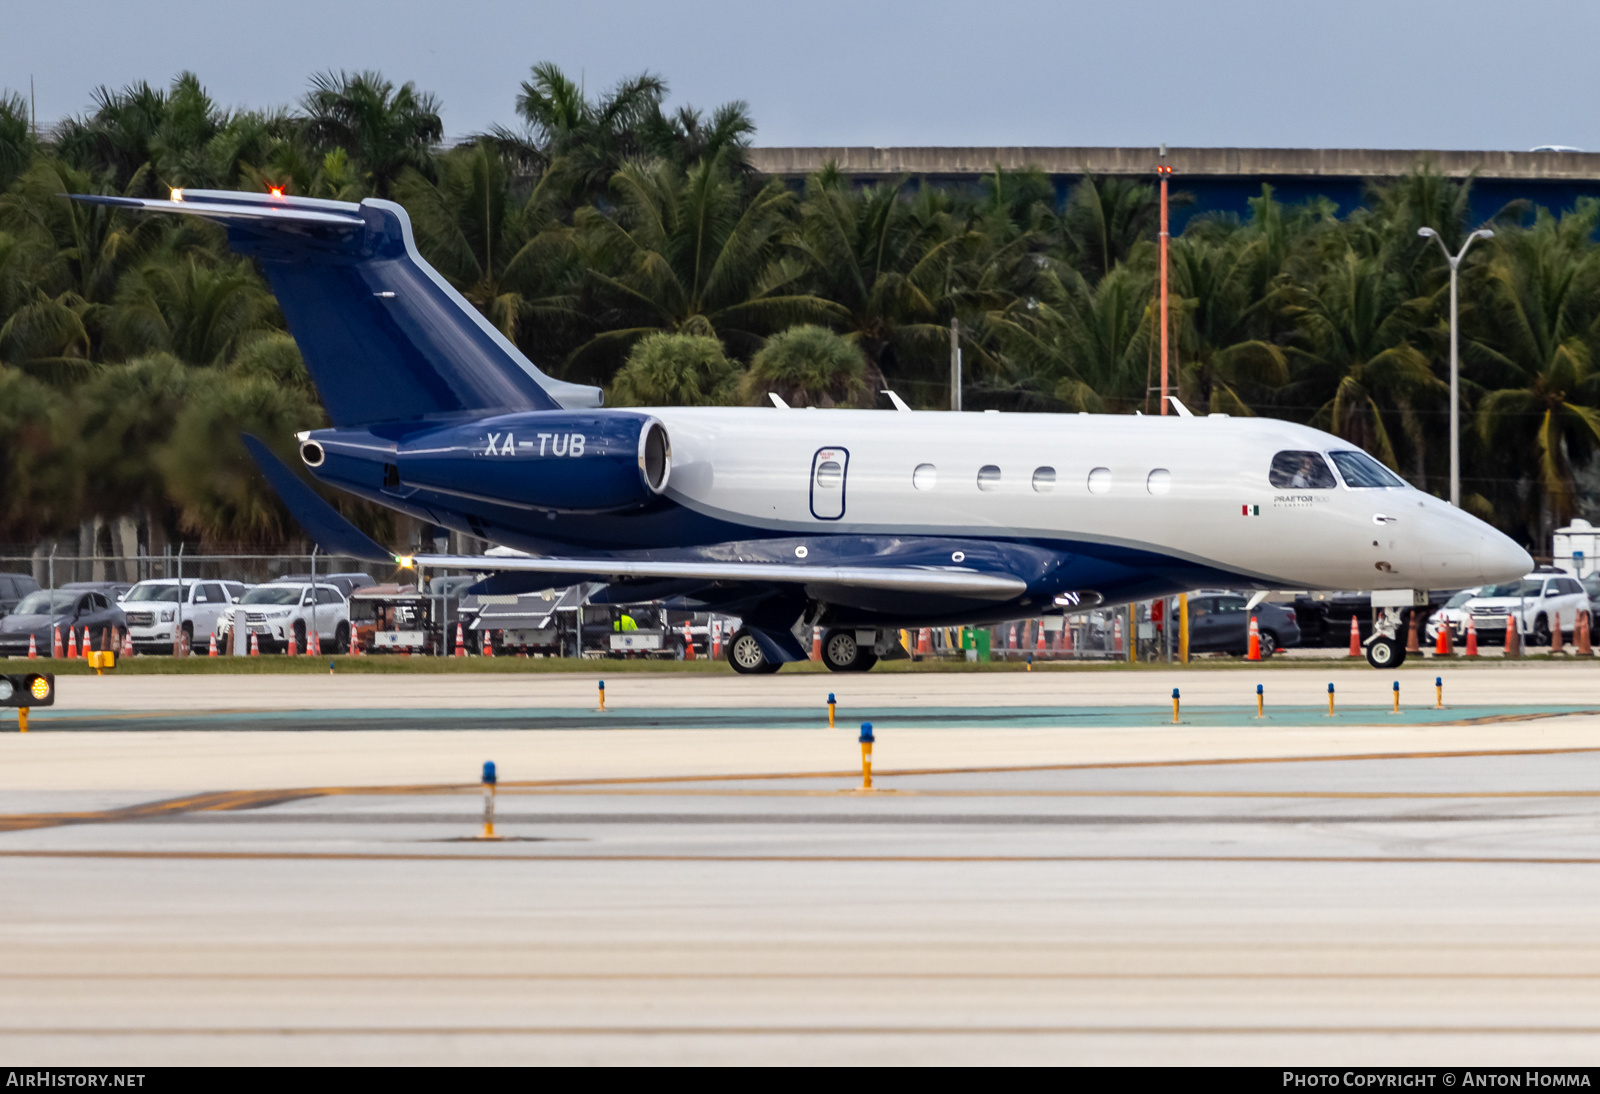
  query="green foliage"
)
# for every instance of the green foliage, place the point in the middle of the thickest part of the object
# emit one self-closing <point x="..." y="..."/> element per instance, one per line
<point x="675" y="370"/>
<point x="621" y="242"/>
<point x="808" y="366"/>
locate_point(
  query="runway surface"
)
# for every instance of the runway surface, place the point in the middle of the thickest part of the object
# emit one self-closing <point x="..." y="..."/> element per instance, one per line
<point x="1100" y="890"/>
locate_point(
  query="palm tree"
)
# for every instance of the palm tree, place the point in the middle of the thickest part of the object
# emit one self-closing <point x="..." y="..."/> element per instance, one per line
<point x="1103" y="220"/>
<point x="17" y="144"/>
<point x="584" y="142"/>
<point x="886" y="266"/>
<point x="501" y="243"/>
<point x="382" y="128"/>
<point x="689" y="252"/>
<point x="37" y="489"/>
<point x="203" y="314"/>
<point x="808" y="366"/>
<point x="1354" y="355"/>
<point x="1218" y="354"/>
<point x="1540" y="324"/>
<point x="675" y="370"/>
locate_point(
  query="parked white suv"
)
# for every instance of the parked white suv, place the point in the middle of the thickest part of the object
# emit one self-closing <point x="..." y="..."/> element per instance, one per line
<point x="160" y="609"/>
<point x="1532" y="604"/>
<point x="273" y="612"/>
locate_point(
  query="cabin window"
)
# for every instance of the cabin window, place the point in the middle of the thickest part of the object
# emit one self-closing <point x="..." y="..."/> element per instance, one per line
<point x="1361" y="471"/>
<point x="1044" y="479"/>
<point x="988" y="477"/>
<point x="1100" y="480"/>
<point x="1158" y="481"/>
<point x="925" y="477"/>
<point x="1301" y="471"/>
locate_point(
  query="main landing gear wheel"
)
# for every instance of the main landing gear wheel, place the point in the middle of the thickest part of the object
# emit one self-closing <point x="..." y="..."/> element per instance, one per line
<point x="746" y="656"/>
<point x="842" y="653"/>
<point x="1385" y="653"/>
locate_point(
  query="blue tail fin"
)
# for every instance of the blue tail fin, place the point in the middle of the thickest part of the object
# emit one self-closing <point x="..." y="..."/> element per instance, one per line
<point x="384" y="336"/>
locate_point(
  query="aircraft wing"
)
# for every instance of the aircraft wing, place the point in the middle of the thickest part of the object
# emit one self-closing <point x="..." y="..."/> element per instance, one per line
<point x="947" y="581"/>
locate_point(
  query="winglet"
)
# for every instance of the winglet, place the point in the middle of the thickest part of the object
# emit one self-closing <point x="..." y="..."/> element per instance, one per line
<point x="321" y="521"/>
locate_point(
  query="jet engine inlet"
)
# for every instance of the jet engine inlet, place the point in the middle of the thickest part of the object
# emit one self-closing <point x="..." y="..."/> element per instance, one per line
<point x="655" y="456"/>
<point x="312" y="453"/>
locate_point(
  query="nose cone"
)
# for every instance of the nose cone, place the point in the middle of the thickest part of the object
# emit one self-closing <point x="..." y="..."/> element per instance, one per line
<point x="1500" y="559"/>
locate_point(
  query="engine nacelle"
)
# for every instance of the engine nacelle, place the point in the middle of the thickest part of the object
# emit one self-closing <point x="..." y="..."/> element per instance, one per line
<point x="590" y="461"/>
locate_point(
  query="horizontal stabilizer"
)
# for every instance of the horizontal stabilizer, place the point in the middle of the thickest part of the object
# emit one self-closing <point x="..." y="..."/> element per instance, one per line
<point x="322" y="522"/>
<point x="954" y="582"/>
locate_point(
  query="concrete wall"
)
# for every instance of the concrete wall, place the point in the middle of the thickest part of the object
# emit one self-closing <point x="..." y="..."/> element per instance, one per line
<point x="1343" y="163"/>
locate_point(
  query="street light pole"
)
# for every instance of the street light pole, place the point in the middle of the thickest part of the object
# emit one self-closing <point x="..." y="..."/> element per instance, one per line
<point x="1455" y="355"/>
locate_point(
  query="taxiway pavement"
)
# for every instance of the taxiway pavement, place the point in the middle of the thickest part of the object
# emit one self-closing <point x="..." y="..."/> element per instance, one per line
<point x="1306" y="891"/>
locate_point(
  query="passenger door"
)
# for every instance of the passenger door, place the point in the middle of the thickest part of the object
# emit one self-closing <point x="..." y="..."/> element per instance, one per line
<point x="828" y="470"/>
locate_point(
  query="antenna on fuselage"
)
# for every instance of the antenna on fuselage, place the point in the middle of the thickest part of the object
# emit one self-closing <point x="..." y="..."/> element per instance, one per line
<point x="899" y="403"/>
<point x="1183" y="411"/>
<point x="777" y="401"/>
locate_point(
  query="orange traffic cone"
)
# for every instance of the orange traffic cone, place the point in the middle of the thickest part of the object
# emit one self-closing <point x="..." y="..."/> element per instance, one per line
<point x="1581" y="635"/>
<point x="33" y="649"/>
<point x="55" y="650"/>
<point x="294" y="647"/>
<point x="488" y="646"/>
<point x="1441" y="645"/>
<point x="816" y="643"/>
<point x="255" y="645"/>
<point x="1412" y="645"/>
<point x="716" y="640"/>
<point x="1255" y="640"/>
<point x="72" y="643"/>
<point x="1472" y="638"/>
<point x="213" y="651"/>
<point x="924" y="642"/>
<point x="1355" y="637"/>
<point x="1555" y="635"/>
<point x="1513" y="639"/>
<point x="1066" y="634"/>
<point x="314" y="644"/>
<point x="127" y="643"/>
<point x="1116" y="633"/>
<point x="1011" y="643"/>
<point x="356" y="647"/>
<point x="461" y="641"/>
<point x="688" y="642"/>
<point x="1039" y="645"/>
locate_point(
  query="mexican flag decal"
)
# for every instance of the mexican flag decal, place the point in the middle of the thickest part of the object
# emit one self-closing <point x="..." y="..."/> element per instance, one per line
<point x="1249" y="510"/>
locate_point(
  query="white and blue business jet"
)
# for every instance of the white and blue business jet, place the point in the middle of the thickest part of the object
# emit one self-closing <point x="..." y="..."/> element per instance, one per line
<point x="860" y="522"/>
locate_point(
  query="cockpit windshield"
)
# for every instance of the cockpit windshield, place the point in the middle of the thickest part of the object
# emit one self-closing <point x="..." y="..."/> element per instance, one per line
<point x="1362" y="472"/>
<point x="1301" y="471"/>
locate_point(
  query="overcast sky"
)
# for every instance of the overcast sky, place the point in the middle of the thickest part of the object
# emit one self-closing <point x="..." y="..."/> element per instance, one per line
<point x="1337" y="73"/>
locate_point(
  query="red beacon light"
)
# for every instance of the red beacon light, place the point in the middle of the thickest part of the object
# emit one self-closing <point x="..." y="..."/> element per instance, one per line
<point x="276" y="191"/>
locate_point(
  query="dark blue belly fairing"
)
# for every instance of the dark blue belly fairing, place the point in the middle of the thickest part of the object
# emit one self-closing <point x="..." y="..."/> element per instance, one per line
<point x="664" y="529"/>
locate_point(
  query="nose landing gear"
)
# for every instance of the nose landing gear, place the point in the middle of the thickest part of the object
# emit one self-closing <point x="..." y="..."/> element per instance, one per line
<point x="1384" y="648"/>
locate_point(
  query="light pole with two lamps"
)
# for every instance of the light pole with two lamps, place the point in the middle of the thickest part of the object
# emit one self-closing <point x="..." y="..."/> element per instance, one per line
<point x="1455" y="388"/>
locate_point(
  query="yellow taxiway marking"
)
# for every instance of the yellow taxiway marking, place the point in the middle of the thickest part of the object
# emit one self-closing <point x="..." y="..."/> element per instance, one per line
<point x="1354" y="795"/>
<point x="906" y="1030"/>
<point x="256" y="799"/>
<point x="472" y="856"/>
<point x="757" y="977"/>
